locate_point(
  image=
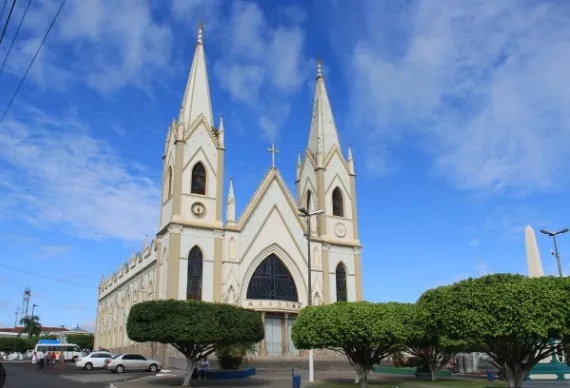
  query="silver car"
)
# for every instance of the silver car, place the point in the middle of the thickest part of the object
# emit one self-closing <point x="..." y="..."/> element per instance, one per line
<point x="122" y="362"/>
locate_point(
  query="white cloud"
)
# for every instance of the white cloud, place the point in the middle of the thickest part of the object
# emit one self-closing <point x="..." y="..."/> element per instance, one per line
<point x="59" y="174"/>
<point x="106" y="44"/>
<point x="480" y="83"/>
<point x="474" y="243"/>
<point x="51" y="251"/>
<point x="263" y="58"/>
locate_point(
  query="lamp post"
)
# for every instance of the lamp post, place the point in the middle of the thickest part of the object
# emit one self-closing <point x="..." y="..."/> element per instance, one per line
<point x="31" y="320"/>
<point x="307" y="215"/>
<point x="555" y="252"/>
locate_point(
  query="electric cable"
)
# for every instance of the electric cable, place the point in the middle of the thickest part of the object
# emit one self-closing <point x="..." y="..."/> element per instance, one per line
<point x="47" y="277"/>
<point x="15" y="36"/>
<point x="7" y="21"/>
<point x="32" y="62"/>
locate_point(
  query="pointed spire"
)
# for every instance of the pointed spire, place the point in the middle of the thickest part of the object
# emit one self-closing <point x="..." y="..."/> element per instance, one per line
<point x="231" y="196"/>
<point x="323" y="128"/>
<point x="221" y="132"/>
<point x="350" y="162"/>
<point x="196" y="99"/>
<point x="200" y="39"/>
<point x="145" y="246"/>
<point x="231" y="204"/>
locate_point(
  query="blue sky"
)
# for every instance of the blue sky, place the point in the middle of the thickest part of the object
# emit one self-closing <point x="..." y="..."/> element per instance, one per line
<point x="457" y="114"/>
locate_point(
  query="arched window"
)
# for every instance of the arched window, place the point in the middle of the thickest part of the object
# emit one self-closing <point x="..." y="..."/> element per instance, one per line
<point x="169" y="182"/>
<point x="308" y="204"/>
<point x="194" y="279"/>
<point x="341" y="283"/>
<point x="198" y="179"/>
<point x="338" y="205"/>
<point x="272" y="281"/>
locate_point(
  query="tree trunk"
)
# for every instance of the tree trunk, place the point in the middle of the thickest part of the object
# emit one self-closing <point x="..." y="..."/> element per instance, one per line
<point x="361" y="375"/>
<point x="515" y="378"/>
<point x="433" y="372"/>
<point x="190" y="364"/>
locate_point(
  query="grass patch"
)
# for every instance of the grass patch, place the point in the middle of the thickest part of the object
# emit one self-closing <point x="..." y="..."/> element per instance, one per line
<point x="420" y="384"/>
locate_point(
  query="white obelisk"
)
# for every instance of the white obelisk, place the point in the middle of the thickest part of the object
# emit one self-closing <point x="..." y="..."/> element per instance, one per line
<point x="534" y="264"/>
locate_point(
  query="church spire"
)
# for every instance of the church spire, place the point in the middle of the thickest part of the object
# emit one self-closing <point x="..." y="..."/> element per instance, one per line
<point x="231" y="204"/>
<point x="196" y="99"/>
<point x="323" y="128"/>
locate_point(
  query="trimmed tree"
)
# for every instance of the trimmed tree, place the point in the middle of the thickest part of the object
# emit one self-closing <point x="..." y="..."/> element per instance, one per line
<point x="511" y="318"/>
<point x="364" y="332"/>
<point x="429" y="342"/>
<point x="196" y="329"/>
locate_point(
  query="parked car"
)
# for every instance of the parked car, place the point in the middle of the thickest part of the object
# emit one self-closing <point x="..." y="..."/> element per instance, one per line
<point x="93" y="360"/>
<point x="123" y="362"/>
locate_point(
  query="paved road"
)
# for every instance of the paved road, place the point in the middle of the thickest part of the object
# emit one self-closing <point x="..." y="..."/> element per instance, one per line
<point x="20" y="375"/>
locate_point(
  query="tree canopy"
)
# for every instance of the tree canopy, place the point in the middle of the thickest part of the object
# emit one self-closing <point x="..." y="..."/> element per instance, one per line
<point x="430" y="342"/>
<point x="195" y="328"/>
<point x="365" y="332"/>
<point x="511" y="318"/>
<point x="32" y="326"/>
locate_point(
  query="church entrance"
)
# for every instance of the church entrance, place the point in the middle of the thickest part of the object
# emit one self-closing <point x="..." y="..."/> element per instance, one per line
<point x="278" y="342"/>
<point x="272" y="281"/>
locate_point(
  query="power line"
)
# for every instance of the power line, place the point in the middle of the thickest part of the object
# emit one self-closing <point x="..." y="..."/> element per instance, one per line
<point x="47" y="277"/>
<point x="32" y="62"/>
<point x="7" y="21"/>
<point x="15" y="36"/>
<point x="3" y="8"/>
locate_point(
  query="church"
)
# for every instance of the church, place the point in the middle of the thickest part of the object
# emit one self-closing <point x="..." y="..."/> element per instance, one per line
<point x="257" y="260"/>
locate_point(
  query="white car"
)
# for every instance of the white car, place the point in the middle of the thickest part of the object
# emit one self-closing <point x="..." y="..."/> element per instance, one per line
<point x="93" y="360"/>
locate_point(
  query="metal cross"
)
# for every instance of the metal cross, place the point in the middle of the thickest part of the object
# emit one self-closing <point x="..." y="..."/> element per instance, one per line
<point x="273" y="152"/>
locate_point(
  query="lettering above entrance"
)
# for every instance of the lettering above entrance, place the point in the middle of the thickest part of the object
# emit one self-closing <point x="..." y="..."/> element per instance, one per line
<point x="272" y="281"/>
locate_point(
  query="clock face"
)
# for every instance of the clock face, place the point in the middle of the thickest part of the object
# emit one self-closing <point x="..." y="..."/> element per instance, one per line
<point x="340" y="230"/>
<point x="198" y="210"/>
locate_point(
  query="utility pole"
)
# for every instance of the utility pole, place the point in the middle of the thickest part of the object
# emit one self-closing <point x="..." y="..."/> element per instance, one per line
<point x="307" y="215"/>
<point x="555" y="252"/>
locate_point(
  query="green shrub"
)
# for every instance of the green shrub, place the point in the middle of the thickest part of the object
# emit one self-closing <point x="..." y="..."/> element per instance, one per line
<point x="15" y="344"/>
<point x="231" y="357"/>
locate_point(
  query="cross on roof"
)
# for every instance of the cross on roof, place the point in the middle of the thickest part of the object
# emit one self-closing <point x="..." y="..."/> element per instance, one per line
<point x="273" y="152"/>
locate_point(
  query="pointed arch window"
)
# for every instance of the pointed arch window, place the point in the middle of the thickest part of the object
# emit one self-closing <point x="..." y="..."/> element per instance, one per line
<point x="198" y="179"/>
<point x="272" y="281"/>
<point x="169" y="182"/>
<point x="308" y="204"/>
<point x="338" y="203"/>
<point x="341" y="283"/>
<point x="194" y="278"/>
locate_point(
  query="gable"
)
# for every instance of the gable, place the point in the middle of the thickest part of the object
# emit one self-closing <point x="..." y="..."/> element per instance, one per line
<point x="336" y="167"/>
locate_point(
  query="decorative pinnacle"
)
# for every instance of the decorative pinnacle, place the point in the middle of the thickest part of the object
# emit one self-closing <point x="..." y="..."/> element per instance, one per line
<point x="298" y="158"/>
<point x="221" y="126"/>
<point x="349" y="153"/>
<point x="319" y="67"/>
<point x="231" y="191"/>
<point x="201" y="32"/>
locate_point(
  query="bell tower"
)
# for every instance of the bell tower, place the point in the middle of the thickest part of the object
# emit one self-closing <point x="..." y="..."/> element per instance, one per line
<point x="191" y="223"/>
<point x="326" y="180"/>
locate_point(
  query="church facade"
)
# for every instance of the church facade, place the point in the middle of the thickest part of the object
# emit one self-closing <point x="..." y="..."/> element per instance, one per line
<point x="258" y="260"/>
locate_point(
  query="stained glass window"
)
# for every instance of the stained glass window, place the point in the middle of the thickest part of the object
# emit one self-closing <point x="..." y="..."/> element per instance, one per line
<point x="194" y="282"/>
<point x="199" y="179"/>
<point x="272" y="280"/>
<point x="338" y="205"/>
<point x="340" y="283"/>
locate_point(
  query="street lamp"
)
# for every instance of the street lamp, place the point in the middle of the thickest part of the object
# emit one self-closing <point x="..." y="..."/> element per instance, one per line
<point x="308" y="215"/>
<point x="31" y="320"/>
<point x="555" y="252"/>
